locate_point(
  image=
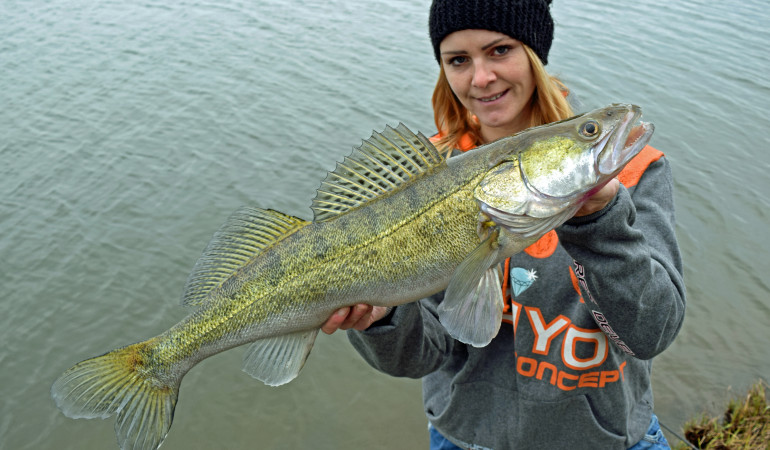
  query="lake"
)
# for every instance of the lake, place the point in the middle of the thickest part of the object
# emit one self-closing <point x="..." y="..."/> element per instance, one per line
<point x="129" y="131"/>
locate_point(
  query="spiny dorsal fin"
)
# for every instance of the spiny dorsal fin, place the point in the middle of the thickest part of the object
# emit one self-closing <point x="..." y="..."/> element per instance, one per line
<point x="379" y="165"/>
<point x="244" y="235"/>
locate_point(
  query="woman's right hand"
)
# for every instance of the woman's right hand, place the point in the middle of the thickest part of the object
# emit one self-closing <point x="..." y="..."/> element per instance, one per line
<point x="358" y="317"/>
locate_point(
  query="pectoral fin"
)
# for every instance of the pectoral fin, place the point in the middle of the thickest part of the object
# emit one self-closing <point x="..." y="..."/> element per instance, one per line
<point x="473" y="302"/>
<point x="278" y="360"/>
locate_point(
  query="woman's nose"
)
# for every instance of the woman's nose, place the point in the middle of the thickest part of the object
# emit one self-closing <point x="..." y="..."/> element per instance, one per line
<point x="482" y="75"/>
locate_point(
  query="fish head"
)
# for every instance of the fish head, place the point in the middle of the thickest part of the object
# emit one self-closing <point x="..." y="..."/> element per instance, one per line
<point x="551" y="170"/>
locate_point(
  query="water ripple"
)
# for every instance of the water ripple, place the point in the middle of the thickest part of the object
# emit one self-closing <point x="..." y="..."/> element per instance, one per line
<point x="130" y="131"/>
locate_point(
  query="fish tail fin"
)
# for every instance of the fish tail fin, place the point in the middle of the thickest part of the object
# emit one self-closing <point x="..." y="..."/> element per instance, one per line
<point x="119" y="382"/>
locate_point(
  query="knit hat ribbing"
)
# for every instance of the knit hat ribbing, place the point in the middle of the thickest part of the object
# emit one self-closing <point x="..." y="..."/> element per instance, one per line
<point x="528" y="21"/>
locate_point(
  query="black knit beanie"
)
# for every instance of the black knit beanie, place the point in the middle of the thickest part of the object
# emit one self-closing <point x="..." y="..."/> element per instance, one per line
<point x="528" y="21"/>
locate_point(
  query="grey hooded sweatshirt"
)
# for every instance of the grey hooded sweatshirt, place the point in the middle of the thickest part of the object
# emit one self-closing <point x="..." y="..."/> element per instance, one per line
<point x="590" y="305"/>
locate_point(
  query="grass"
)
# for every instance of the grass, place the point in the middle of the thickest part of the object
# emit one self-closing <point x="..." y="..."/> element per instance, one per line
<point x="745" y="425"/>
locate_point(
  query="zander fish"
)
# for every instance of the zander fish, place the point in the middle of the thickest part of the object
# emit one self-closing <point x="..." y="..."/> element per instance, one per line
<point x="393" y="223"/>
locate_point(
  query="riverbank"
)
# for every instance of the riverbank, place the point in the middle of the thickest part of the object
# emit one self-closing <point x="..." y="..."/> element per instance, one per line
<point x="745" y="425"/>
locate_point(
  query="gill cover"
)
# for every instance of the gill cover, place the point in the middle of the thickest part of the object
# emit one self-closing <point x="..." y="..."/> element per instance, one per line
<point x="546" y="176"/>
<point x="534" y="187"/>
<point x="559" y="167"/>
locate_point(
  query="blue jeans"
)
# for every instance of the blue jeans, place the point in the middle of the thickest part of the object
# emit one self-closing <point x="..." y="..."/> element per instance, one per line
<point x="438" y="441"/>
<point x="652" y="440"/>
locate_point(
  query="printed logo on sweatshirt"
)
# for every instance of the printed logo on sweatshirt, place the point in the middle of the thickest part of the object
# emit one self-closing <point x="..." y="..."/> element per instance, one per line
<point x="579" y="350"/>
<point x="602" y="321"/>
<point x="580" y="273"/>
<point x="605" y="326"/>
<point x="521" y="280"/>
<point x="557" y="338"/>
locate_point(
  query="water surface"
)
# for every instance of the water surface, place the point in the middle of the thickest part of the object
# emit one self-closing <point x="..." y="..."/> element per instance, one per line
<point x="129" y="131"/>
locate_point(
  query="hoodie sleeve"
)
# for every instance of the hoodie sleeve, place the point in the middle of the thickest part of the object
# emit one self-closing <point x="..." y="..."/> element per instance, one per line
<point x="408" y="342"/>
<point x="629" y="265"/>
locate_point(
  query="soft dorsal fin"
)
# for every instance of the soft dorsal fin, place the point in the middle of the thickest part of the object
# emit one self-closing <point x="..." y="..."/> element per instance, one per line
<point x="379" y="165"/>
<point x="245" y="234"/>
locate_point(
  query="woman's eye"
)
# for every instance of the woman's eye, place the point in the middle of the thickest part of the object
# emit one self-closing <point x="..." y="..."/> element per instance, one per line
<point x="457" y="60"/>
<point x="502" y="49"/>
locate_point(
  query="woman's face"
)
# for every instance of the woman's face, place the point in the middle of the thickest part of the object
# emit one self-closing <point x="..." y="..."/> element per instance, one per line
<point x="490" y="74"/>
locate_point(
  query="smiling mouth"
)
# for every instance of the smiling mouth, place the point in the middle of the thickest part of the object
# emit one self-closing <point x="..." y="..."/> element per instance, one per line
<point x="492" y="98"/>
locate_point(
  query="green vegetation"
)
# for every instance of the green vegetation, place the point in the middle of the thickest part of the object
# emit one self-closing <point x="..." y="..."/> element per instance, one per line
<point x="745" y="425"/>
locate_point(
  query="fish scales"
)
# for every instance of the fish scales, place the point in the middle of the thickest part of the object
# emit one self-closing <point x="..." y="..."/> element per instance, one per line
<point x="377" y="244"/>
<point x="393" y="223"/>
<point x="385" y="244"/>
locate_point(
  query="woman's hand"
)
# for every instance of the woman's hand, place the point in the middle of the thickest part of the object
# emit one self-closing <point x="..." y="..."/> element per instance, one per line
<point x="600" y="199"/>
<point x="359" y="317"/>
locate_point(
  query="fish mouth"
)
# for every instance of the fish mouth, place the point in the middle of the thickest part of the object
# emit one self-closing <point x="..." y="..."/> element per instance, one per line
<point x="623" y="143"/>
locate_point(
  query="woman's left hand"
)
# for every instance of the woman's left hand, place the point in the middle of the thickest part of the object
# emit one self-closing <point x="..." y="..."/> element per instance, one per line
<point x="358" y="317"/>
<point x="600" y="199"/>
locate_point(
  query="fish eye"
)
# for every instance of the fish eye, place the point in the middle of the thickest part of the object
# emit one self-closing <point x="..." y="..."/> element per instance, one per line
<point x="589" y="129"/>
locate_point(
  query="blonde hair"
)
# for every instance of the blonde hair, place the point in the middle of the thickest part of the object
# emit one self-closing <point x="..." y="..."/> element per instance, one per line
<point x="453" y="121"/>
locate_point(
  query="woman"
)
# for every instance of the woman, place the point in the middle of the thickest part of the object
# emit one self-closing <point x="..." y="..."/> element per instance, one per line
<point x="587" y="307"/>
